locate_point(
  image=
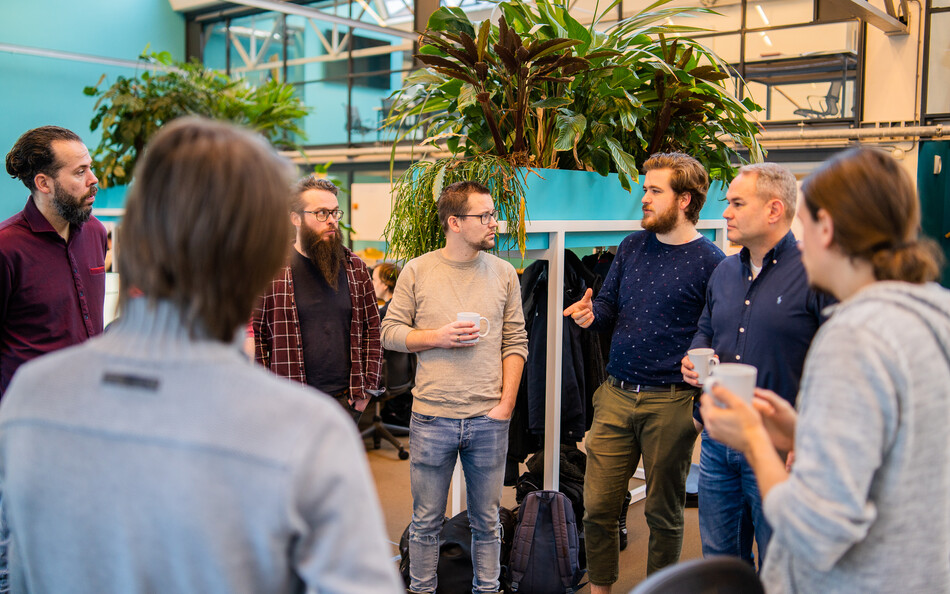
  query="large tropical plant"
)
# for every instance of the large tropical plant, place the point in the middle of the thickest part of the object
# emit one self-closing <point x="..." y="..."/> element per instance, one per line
<point x="132" y="109"/>
<point x="540" y="89"/>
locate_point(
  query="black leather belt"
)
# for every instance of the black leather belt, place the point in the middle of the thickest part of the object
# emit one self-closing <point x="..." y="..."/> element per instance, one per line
<point x="632" y="387"/>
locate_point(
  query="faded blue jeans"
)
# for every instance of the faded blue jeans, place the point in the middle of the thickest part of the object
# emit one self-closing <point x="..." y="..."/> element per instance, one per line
<point x="730" y="506"/>
<point x="434" y="445"/>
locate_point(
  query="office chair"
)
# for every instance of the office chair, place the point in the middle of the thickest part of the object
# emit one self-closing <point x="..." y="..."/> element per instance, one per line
<point x="827" y="103"/>
<point x="715" y="575"/>
<point x="399" y="373"/>
<point x="353" y="121"/>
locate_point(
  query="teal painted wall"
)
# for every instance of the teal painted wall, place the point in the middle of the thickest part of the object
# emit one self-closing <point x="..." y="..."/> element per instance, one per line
<point x="934" y="191"/>
<point x="40" y="91"/>
<point x="557" y="195"/>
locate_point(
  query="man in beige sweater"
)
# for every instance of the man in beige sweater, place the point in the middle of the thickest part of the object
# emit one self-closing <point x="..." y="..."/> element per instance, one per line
<point x="466" y="382"/>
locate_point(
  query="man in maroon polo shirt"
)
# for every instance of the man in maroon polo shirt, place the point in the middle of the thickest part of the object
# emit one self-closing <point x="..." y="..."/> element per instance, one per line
<point x="52" y="253"/>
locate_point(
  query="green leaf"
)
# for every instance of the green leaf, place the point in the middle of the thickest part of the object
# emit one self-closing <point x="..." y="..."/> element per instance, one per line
<point x="551" y="102"/>
<point x="624" y="161"/>
<point x="570" y="127"/>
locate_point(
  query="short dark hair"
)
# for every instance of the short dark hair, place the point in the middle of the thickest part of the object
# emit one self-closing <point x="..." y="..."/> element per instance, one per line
<point x="688" y="176"/>
<point x="205" y="223"/>
<point x="33" y="154"/>
<point x="873" y="204"/>
<point x="310" y="182"/>
<point x="454" y="199"/>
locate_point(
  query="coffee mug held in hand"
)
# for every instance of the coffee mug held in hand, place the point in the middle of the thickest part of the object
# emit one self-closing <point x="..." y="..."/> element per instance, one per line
<point x="738" y="378"/>
<point x="703" y="360"/>
<point x="470" y="316"/>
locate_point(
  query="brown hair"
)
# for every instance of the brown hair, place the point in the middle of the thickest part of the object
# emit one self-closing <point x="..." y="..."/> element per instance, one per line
<point x="454" y="199"/>
<point x="33" y="154"/>
<point x="310" y="182"/>
<point x="205" y="223"/>
<point x="688" y="175"/>
<point x="873" y="205"/>
<point x="774" y="181"/>
<point x="388" y="273"/>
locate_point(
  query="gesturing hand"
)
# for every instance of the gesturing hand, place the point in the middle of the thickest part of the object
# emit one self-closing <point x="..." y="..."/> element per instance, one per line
<point x="582" y="312"/>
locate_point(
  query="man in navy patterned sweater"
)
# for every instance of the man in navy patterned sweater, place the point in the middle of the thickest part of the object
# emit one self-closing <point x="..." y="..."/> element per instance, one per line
<point x="654" y="293"/>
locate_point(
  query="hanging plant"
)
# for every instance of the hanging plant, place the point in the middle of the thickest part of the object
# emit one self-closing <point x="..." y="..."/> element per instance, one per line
<point x="414" y="227"/>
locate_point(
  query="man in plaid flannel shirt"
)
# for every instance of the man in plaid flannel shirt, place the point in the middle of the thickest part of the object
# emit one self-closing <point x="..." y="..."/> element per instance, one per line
<point x="318" y="323"/>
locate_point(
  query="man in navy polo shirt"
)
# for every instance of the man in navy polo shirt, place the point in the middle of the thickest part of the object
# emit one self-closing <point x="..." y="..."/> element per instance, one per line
<point x="655" y="291"/>
<point x="52" y="253"/>
<point x="760" y="311"/>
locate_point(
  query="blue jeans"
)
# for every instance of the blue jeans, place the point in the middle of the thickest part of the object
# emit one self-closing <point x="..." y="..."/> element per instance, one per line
<point x="730" y="506"/>
<point x="435" y="443"/>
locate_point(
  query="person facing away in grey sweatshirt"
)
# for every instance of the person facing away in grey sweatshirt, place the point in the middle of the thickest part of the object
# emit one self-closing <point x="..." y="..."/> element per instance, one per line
<point x="157" y="457"/>
<point x="865" y="506"/>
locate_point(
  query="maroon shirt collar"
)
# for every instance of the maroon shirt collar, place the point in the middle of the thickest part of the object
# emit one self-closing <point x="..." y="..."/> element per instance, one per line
<point x="39" y="223"/>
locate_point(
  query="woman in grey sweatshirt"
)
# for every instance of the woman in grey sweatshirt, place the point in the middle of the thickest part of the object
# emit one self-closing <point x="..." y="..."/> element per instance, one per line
<point x="865" y="506"/>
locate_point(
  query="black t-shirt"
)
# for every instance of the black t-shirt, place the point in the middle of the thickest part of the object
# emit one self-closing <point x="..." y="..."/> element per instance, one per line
<point x="325" y="317"/>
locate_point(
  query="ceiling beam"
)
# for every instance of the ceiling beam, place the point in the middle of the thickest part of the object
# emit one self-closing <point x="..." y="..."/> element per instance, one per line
<point x="313" y="13"/>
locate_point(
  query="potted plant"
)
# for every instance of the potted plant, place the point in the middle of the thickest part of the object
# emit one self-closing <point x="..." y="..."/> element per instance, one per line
<point x="132" y="109"/>
<point x="540" y="90"/>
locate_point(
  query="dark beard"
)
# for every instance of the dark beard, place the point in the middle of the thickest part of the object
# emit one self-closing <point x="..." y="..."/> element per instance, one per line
<point x="327" y="256"/>
<point x="663" y="222"/>
<point x="70" y="207"/>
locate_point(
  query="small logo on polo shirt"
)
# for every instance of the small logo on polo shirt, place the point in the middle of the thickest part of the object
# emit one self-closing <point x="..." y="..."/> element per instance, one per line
<point x="779" y="300"/>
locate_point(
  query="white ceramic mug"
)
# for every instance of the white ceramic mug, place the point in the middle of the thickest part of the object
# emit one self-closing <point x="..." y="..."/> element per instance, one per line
<point x="704" y="361"/>
<point x="470" y="316"/>
<point x="738" y="378"/>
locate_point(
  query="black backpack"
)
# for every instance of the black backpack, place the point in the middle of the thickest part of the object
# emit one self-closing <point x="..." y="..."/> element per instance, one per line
<point x="544" y="553"/>
<point x="455" y="573"/>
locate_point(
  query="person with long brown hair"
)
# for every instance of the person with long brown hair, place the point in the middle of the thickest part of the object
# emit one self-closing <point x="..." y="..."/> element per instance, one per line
<point x="864" y="507"/>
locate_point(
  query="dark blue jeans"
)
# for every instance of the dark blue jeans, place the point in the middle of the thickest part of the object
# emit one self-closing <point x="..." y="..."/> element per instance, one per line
<point x="730" y="507"/>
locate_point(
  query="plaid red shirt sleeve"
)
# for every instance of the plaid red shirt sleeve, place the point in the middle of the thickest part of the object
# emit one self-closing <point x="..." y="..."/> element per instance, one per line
<point x="278" y="345"/>
<point x="366" y="350"/>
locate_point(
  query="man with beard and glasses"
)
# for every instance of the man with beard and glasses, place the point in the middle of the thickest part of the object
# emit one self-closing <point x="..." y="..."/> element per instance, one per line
<point x="318" y="322"/>
<point x="465" y="385"/>
<point x="654" y="294"/>
<point x="52" y="253"/>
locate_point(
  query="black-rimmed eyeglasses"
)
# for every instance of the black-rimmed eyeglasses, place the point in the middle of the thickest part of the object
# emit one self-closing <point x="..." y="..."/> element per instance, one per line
<point x="323" y="214"/>
<point x="485" y="217"/>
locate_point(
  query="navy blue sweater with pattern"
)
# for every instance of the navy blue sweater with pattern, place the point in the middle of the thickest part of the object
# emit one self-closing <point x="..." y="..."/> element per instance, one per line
<point x="655" y="293"/>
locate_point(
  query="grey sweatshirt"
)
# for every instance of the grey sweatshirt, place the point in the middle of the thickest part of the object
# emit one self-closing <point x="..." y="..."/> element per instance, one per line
<point x="867" y="505"/>
<point x="145" y="461"/>
<point x="463" y="382"/>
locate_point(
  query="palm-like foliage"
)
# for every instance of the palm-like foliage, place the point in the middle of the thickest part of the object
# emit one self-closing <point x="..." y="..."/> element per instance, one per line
<point x="132" y="109"/>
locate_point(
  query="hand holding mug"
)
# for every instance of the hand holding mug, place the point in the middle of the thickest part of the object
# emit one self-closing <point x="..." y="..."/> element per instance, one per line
<point x="456" y="334"/>
<point x="470" y="317"/>
<point x="697" y="364"/>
